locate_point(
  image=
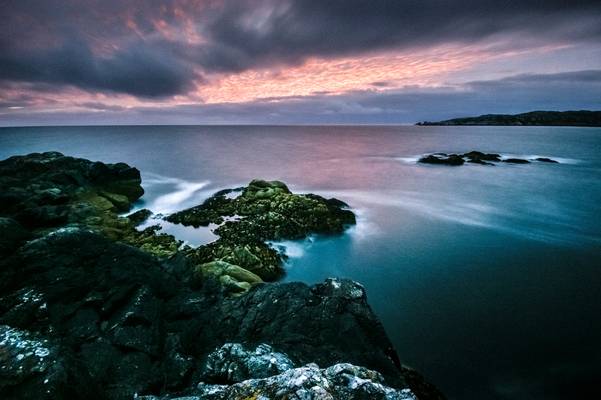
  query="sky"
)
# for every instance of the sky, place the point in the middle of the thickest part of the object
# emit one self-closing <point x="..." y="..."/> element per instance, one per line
<point x="109" y="62"/>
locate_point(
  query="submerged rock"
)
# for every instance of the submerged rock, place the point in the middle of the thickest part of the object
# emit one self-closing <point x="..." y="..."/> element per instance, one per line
<point x="547" y="160"/>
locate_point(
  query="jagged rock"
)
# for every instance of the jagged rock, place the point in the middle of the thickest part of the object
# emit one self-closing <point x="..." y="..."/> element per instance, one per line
<point x="233" y="363"/>
<point x="338" y="382"/>
<point x="45" y="191"/>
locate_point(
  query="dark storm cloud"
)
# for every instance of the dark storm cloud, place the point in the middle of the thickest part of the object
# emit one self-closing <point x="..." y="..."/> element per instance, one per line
<point x="296" y="29"/>
<point x="520" y="93"/>
<point x="118" y="46"/>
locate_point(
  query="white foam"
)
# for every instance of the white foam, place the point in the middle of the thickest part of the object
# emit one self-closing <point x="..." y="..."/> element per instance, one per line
<point x="409" y="159"/>
<point x="233" y="194"/>
<point x="292" y="248"/>
<point x="173" y="201"/>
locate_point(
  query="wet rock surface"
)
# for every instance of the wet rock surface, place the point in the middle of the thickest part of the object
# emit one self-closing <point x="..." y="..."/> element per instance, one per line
<point x="338" y="382"/>
<point x="475" y="157"/>
<point x="92" y="308"/>
<point x="44" y="191"/>
<point x="263" y="211"/>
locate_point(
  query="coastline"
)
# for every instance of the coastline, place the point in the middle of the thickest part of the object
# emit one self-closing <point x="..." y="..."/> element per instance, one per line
<point x="129" y="300"/>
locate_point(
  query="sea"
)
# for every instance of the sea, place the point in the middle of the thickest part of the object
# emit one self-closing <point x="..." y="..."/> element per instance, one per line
<point x="487" y="278"/>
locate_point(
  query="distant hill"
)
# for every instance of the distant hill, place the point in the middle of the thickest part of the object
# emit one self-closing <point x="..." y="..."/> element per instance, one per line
<point x="537" y="118"/>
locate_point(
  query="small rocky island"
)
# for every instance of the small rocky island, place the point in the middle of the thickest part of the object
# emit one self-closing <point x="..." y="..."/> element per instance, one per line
<point x="477" y="157"/>
<point x="92" y="307"/>
<point x="534" y="118"/>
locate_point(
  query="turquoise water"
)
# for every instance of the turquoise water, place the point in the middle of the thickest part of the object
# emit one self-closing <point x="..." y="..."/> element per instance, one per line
<point x="487" y="279"/>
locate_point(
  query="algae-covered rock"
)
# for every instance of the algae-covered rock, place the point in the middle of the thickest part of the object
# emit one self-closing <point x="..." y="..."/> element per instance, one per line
<point x="46" y="191"/>
<point x="139" y="216"/>
<point x="264" y="211"/>
<point x="257" y="257"/>
<point x="231" y="276"/>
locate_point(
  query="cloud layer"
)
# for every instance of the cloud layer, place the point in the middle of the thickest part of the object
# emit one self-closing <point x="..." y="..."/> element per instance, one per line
<point x="67" y="55"/>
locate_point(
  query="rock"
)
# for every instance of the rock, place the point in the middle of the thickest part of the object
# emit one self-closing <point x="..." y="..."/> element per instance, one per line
<point x="338" y="382"/>
<point x="140" y="216"/>
<point x="516" y="161"/>
<point x="125" y="323"/>
<point x="232" y="276"/>
<point x="232" y="363"/>
<point x="477" y="157"/>
<point x="12" y="234"/>
<point x="452" y="159"/>
<point x="264" y="211"/>
<point x="120" y="312"/>
<point x="121" y="202"/>
<point x="547" y="160"/>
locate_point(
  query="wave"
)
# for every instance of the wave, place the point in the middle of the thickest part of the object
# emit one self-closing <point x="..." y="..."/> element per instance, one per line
<point x="292" y="248"/>
<point x="540" y="220"/>
<point x="181" y="195"/>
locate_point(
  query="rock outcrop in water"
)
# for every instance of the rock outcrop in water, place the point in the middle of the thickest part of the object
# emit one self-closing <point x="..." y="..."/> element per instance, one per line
<point x="43" y="191"/>
<point x="91" y="308"/>
<point x="258" y="213"/>
<point x="475" y="157"/>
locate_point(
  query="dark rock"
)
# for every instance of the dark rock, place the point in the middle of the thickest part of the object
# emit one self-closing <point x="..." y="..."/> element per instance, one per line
<point x="547" y="160"/>
<point x="477" y="157"/>
<point x="127" y="325"/>
<point x="12" y="234"/>
<point x="139" y="216"/>
<point x="452" y="159"/>
<point x="233" y="363"/>
<point x="338" y="382"/>
<point x="516" y="161"/>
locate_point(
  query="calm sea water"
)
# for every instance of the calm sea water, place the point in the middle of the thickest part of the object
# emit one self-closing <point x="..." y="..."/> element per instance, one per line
<point x="487" y="279"/>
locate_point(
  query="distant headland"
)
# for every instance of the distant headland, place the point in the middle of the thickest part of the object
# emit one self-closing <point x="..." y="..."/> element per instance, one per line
<point x="533" y="118"/>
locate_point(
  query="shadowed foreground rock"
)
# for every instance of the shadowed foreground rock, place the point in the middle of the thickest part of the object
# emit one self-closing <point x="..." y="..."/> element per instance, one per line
<point x="111" y="321"/>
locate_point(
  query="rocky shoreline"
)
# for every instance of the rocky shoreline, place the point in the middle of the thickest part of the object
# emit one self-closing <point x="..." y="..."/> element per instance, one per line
<point x="91" y="307"/>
